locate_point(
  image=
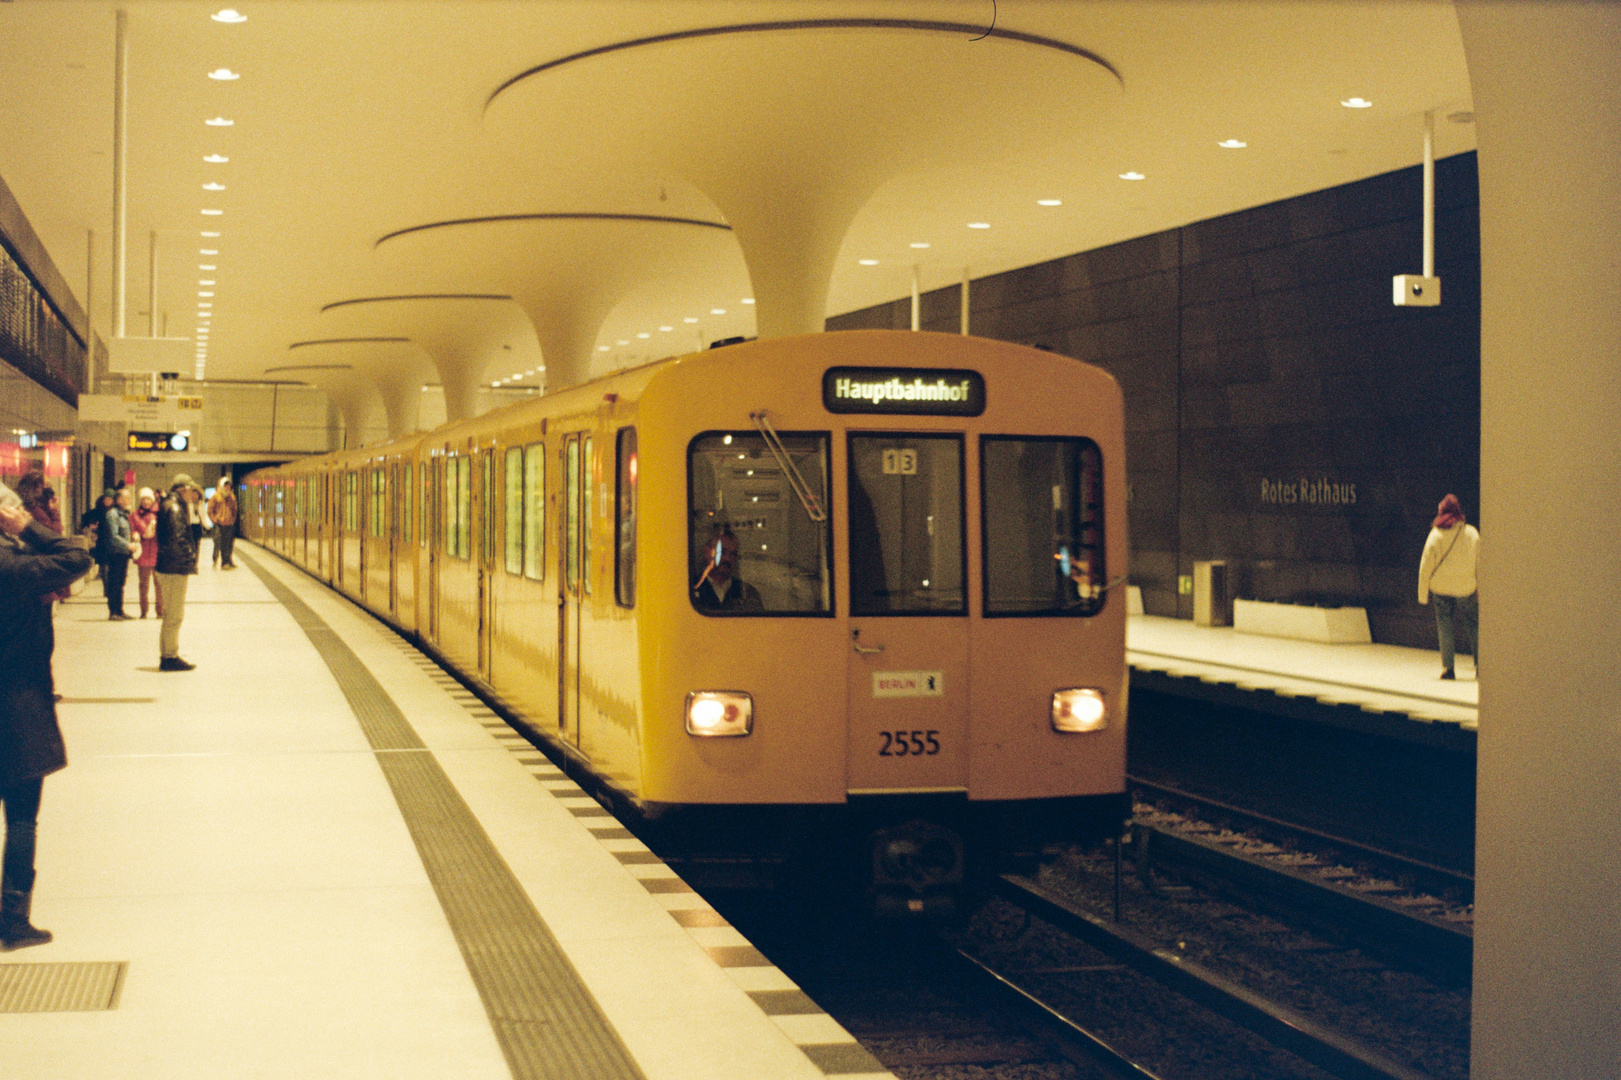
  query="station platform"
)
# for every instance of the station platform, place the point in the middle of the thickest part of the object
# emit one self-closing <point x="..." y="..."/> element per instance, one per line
<point x="1385" y="689"/>
<point x="317" y="855"/>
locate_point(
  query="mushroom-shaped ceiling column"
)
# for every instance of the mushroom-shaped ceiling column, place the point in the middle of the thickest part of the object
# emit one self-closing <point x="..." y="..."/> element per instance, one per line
<point x="394" y="366"/>
<point x="791" y="126"/>
<point x="469" y="337"/>
<point x="353" y="394"/>
<point x="566" y="270"/>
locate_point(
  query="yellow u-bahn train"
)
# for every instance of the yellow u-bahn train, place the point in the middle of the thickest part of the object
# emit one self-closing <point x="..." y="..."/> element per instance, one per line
<point x="848" y="592"/>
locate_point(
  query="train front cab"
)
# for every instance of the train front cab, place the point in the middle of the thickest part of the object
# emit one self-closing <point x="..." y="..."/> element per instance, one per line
<point x="928" y="642"/>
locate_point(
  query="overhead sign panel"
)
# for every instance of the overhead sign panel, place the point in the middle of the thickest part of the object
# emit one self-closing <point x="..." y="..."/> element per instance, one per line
<point x="906" y="391"/>
<point x="141" y="411"/>
<point x="159" y="440"/>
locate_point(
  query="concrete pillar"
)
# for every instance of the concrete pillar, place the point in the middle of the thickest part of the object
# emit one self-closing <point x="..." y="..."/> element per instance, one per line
<point x="1546" y="81"/>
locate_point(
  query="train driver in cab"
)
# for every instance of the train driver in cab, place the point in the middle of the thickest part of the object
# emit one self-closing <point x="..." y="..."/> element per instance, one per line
<point x="719" y="589"/>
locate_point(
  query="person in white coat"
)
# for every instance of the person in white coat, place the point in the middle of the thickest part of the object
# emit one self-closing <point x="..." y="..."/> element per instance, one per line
<point x="1447" y="571"/>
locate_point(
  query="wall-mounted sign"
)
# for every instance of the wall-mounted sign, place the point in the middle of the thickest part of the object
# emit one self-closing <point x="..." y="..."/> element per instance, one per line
<point x="159" y="440"/>
<point x="908" y="391"/>
<point x="1307" y="492"/>
<point x="140" y="410"/>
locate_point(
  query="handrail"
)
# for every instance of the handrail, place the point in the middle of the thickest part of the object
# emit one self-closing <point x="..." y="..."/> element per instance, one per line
<point x="807" y="499"/>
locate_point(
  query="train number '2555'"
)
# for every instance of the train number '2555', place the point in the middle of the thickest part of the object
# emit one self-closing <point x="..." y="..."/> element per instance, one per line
<point x="909" y="743"/>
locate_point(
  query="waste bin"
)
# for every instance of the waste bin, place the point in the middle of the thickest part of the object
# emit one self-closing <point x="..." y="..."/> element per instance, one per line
<point x="1211" y="606"/>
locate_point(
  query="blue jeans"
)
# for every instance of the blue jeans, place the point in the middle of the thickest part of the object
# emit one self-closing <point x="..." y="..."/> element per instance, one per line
<point x="1460" y="609"/>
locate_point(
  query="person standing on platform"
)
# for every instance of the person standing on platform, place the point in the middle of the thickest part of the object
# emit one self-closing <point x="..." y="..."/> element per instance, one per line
<point x="34" y="562"/>
<point x="143" y="522"/>
<point x="1447" y="570"/>
<point x="222" y="511"/>
<point x="177" y="535"/>
<point x="90" y="522"/>
<point x="115" y="543"/>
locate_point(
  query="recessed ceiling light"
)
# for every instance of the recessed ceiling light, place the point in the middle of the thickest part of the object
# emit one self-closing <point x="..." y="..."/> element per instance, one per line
<point x="216" y="159"/>
<point x="868" y="262"/>
<point x="1049" y="202"/>
<point x="1357" y="103"/>
<point x="1232" y="144"/>
<point x="223" y="75"/>
<point x="219" y="121"/>
<point x="213" y="213"/>
<point x="747" y="300"/>
<point x="689" y="319"/>
<point x="644" y="336"/>
<point x="205" y="281"/>
<point x="229" y="15"/>
<point x="206" y="233"/>
<point x="208" y="251"/>
<point x="206" y="266"/>
<point x="717" y="311"/>
<point x="205" y="303"/>
<point x="213" y="186"/>
<point x="919" y="245"/>
<point x="665" y="329"/>
<point x="1132" y="176"/>
<point x="621" y="343"/>
<point x="205" y="294"/>
<point x="604" y="348"/>
<point x="979" y="224"/>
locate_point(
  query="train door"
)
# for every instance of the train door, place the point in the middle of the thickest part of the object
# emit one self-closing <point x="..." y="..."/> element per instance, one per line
<point x="574" y="584"/>
<point x="485" y="512"/>
<point x="908" y="664"/>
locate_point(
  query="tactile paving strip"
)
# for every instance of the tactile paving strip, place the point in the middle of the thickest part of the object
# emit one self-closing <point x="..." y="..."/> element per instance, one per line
<point x="41" y="988"/>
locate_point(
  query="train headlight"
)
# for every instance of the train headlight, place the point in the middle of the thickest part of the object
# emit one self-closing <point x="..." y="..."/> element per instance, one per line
<point x="1079" y="710"/>
<point x="719" y="713"/>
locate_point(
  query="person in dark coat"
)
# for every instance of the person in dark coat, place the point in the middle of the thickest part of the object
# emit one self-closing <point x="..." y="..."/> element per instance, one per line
<point x="178" y="534"/>
<point x="115" y="543"/>
<point x="34" y="562"/>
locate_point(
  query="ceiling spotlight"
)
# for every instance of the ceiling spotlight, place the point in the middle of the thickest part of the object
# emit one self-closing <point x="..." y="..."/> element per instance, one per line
<point x="621" y="343"/>
<point x="689" y="319"/>
<point x="208" y="251"/>
<point x="979" y="224"/>
<point x="1047" y="202"/>
<point x="229" y="15"/>
<point x="748" y="300"/>
<point x="205" y="294"/>
<point x="216" y="159"/>
<point x="665" y="329"/>
<point x="206" y="266"/>
<point x="919" y="245"/>
<point x="1232" y="144"/>
<point x="717" y="311"/>
<point x="644" y="335"/>
<point x="205" y="303"/>
<point x="604" y="348"/>
<point x="204" y="281"/>
<point x="1132" y="176"/>
<point x="223" y="75"/>
<point x="205" y="233"/>
<point x="868" y="262"/>
<point x="213" y="186"/>
<point x="1357" y="103"/>
<point x="219" y="121"/>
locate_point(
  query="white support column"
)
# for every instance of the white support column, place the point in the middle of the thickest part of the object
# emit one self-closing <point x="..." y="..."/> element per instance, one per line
<point x="1546" y="81"/>
<point x="120" y="129"/>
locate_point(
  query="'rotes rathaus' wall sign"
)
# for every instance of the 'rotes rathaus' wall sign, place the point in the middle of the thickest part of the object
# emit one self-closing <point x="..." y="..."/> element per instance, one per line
<point x="1307" y="492"/>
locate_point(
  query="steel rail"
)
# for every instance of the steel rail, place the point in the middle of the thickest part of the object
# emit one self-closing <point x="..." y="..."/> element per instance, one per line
<point x="1458" y="878"/>
<point x="1330" y="1050"/>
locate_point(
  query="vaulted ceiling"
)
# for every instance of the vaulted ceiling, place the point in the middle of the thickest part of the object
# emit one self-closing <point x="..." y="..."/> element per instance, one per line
<point x="569" y="186"/>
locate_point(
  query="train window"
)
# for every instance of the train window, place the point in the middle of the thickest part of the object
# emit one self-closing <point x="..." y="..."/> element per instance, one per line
<point x="379" y="492"/>
<point x="464" y="507"/>
<point x="1043" y="507"/>
<point x="407" y="494"/>
<point x="906" y="525"/>
<point x="512" y="485"/>
<point x="351" y="512"/>
<point x="534" y="511"/>
<point x="587" y="512"/>
<point x="425" y="523"/>
<point x="571" y="515"/>
<point x="753" y="548"/>
<point x="625" y="519"/>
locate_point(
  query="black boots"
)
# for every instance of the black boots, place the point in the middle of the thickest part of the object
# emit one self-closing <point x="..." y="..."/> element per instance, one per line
<point x="16" y="932"/>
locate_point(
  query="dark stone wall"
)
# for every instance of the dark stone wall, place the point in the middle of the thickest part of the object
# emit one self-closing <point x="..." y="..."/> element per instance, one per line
<point x="1281" y="412"/>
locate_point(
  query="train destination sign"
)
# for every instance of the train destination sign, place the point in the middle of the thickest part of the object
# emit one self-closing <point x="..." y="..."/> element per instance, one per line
<point x="911" y="391"/>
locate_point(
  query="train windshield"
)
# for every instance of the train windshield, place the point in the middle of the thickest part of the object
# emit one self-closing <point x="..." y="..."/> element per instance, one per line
<point x="1043" y="506"/>
<point x="906" y="525"/>
<point x="754" y="548"/>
